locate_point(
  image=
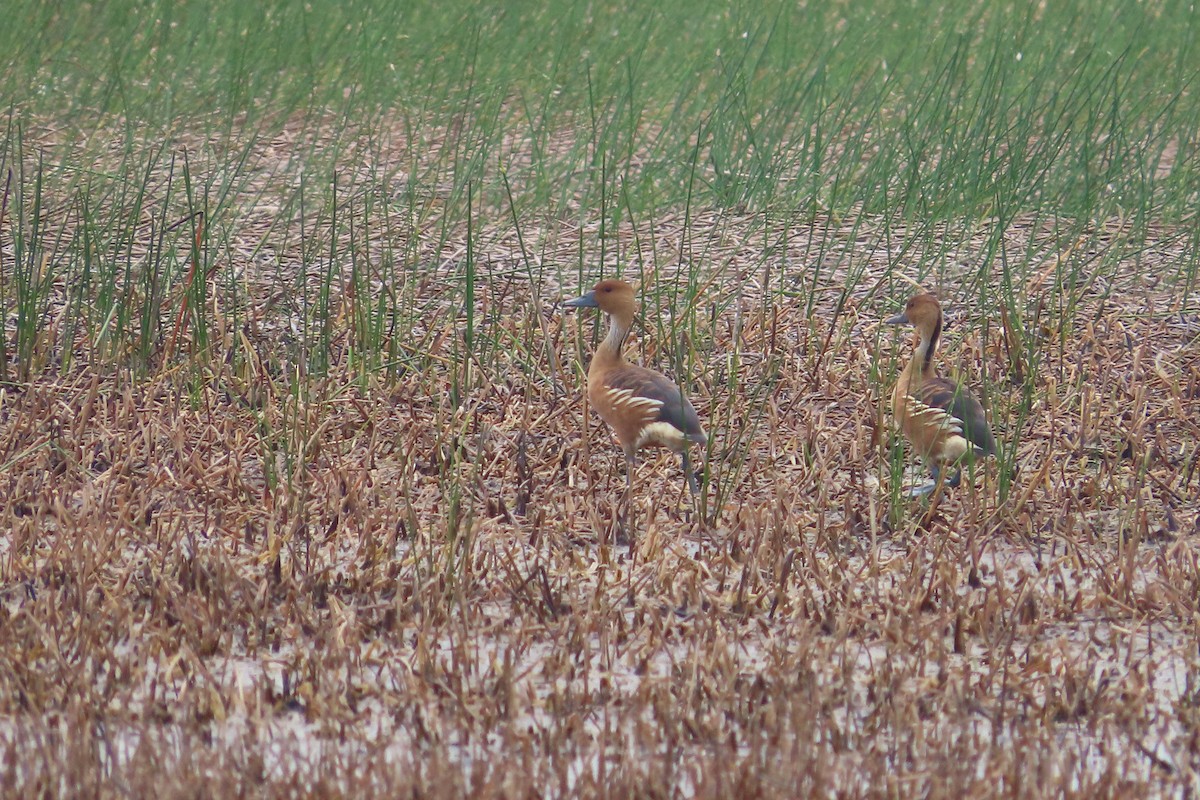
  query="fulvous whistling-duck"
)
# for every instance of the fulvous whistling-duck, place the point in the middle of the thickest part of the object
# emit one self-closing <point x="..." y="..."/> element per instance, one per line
<point x="939" y="418"/>
<point x="642" y="406"/>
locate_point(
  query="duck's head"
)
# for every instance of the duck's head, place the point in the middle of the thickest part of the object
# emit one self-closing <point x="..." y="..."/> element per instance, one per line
<point x="611" y="296"/>
<point x="923" y="312"/>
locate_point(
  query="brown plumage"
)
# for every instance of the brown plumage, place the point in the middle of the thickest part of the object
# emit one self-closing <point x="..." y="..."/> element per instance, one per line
<point x="642" y="406"/>
<point x="940" y="419"/>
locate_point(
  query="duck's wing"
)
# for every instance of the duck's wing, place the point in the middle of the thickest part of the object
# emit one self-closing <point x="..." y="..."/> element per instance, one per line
<point x="949" y="406"/>
<point x="638" y="394"/>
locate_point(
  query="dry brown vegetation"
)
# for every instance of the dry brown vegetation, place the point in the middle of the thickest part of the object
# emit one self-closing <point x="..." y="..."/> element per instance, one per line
<point x="227" y="578"/>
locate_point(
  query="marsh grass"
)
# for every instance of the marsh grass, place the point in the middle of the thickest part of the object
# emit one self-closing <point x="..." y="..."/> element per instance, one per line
<point x="301" y="488"/>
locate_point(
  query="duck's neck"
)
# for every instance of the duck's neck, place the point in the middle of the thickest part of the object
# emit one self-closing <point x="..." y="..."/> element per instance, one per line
<point x="609" y="351"/>
<point x="922" y="360"/>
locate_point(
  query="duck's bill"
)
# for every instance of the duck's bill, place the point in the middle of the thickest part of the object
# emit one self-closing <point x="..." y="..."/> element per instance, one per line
<point x="587" y="301"/>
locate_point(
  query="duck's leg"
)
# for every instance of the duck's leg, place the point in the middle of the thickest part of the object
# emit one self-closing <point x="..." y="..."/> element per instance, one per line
<point x="955" y="479"/>
<point x="926" y="488"/>
<point x="625" y="517"/>
<point x="687" y="470"/>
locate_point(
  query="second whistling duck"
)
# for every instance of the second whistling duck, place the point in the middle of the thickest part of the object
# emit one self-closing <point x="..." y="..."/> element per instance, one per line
<point x="939" y="418"/>
<point x="642" y="406"/>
